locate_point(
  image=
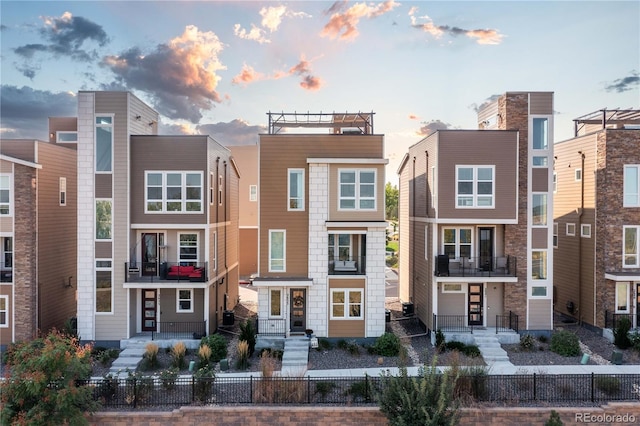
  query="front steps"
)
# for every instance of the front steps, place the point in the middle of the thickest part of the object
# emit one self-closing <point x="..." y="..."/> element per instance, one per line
<point x="490" y="349"/>
<point x="295" y="357"/>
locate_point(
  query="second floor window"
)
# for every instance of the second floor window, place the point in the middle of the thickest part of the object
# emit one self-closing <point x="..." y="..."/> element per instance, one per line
<point x="539" y="210"/>
<point x="173" y="192"/>
<point x="631" y="186"/>
<point x="296" y="189"/>
<point x="357" y="189"/>
<point x="104" y="144"/>
<point x="277" y="250"/>
<point x="104" y="220"/>
<point x="474" y="186"/>
<point x="5" y="195"/>
<point x="540" y="133"/>
<point x="188" y="248"/>
<point x="253" y="192"/>
<point x="457" y="242"/>
<point x="630" y="238"/>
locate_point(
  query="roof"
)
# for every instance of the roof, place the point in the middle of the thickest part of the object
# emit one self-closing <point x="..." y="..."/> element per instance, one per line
<point x="340" y="122"/>
<point x="607" y="117"/>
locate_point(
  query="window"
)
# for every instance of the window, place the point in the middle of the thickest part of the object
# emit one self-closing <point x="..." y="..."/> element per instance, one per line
<point x="555" y="234"/>
<point x="540" y="161"/>
<point x="539" y="291"/>
<point x="622" y="298"/>
<point x="219" y="190"/>
<point x="339" y="247"/>
<point x="188" y="248"/>
<point x="104" y="293"/>
<point x="630" y="246"/>
<point x="212" y="182"/>
<point x="5" y="195"/>
<point x="253" y="192"/>
<point x="7" y="252"/>
<point x="104" y="143"/>
<point x="451" y="288"/>
<point x="67" y="137"/>
<point x="4" y="311"/>
<point x="104" y="222"/>
<point x="173" y="192"/>
<point x="539" y="265"/>
<point x="63" y="191"/>
<point x="357" y="189"/>
<point x="539" y="205"/>
<point x="346" y="304"/>
<point x="296" y="189"/>
<point x="555" y="182"/>
<point x="184" y="299"/>
<point x="571" y="229"/>
<point x="277" y="250"/>
<point x="585" y="230"/>
<point x="275" y="302"/>
<point x="540" y="133"/>
<point x="631" y="186"/>
<point x="457" y="242"/>
<point x="474" y="186"/>
<point x="214" y="254"/>
<point x="578" y="175"/>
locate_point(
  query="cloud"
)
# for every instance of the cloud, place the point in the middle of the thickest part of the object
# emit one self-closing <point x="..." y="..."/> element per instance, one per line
<point x="180" y="76"/>
<point x="432" y="126"/>
<point x="235" y="132"/>
<point x="28" y="70"/>
<point x="312" y="83"/>
<point x="303" y="69"/>
<point x="247" y="75"/>
<point x="176" y="129"/>
<point x="300" y="68"/>
<point x="487" y="101"/>
<point x="255" y="34"/>
<point x="272" y="17"/>
<point x="481" y="36"/>
<point x="343" y="24"/>
<point x="623" y="84"/>
<point x="413" y="117"/>
<point x="67" y="35"/>
<point x="25" y="111"/>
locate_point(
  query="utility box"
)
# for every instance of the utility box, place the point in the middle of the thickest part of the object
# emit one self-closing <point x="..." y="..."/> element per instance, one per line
<point x="387" y="315"/>
<point x="407" y="309"/>
<point x="228" y="318"/>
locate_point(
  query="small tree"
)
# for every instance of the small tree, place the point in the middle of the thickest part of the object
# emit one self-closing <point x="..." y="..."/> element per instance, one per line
<point x="621" y="333"/>
<point x="41" y="385"/>
<point x="248" y="334"/>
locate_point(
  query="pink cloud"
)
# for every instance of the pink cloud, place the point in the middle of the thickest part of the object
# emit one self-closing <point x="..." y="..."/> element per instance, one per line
<point x="413" y="117"/>
<point x="312" y="83"/>
<point x="247" y="75"/>
<point x="344" y="25"/>
<point x="481" y="36"/>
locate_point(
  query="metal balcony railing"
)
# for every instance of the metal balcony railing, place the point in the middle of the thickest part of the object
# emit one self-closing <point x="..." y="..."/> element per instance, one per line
<point x="150" y="272"/>
<point x="479" y="266"/>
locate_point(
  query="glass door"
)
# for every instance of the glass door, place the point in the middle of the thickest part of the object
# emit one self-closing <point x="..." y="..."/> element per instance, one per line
<point x="149" y="310"/>
<point x="475" y="304"/>
<point x="485" y="249"/>
<point x="149" y="254"/>
<point x="298" y="310"/>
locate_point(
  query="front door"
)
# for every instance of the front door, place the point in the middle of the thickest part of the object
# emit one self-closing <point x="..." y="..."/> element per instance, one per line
<point x="485" y="250"/>
<point x="475" y="304"/>
<point x="149" y="254"/>
<point x="149" y="309"/>
<point x="298" y="310"/>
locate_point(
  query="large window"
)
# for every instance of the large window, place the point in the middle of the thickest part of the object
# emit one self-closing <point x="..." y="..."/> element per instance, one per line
<point x="457" y="242"/>
<point x="339" y="247"/>
<point x="296" y="189"/>
<point x="630" y="235"/>
<point x="539" y="265"/>
<point x="357" y="189"/>
<point x="622" y="298"/>
<point x="631" y="186"/>
<point x="104" y="287"/>
<point x="104" y="143"/>
<point x="474" y="186"/>
<point x="4" y="311"/>
<point x="277" y="250"/>
<point x="346" y="304"/>
<point x="104" y="220"/>
<point x="275" y="302"/>
<point x="184" y="298"/>
<point x="188" y="248"/>
<point x="5" y="194"/>
<point x="540" y="133"/>
<point x="7" y="252"/>
<point x="173" y="192"/>
<point x="539" y="210"/>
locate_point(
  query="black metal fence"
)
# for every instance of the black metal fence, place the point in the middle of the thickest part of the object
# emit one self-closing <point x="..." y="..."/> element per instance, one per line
<point x="271" y="327"/>
<point x="179" y="330"/>
<point x="611" y="319"/>
<point x="503" y="389"/>
<point x="508" y="322"/>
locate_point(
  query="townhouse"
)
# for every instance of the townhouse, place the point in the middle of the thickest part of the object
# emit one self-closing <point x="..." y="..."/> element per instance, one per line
<point x="475" y="232"/>
<point x="596" y="223"/>
<point x="322" y="226"/>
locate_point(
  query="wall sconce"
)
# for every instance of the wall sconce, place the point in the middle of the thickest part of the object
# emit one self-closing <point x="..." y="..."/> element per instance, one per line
<point x="68" y="284"/>
<point x="150" y="123"/>
<point x="51" y="135"/>
<point x="138" y="117"/>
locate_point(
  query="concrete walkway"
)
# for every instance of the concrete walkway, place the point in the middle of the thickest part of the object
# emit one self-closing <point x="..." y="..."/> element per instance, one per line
<point x="295" y="357"/>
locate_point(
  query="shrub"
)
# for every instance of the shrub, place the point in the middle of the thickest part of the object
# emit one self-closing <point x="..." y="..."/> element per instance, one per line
<point x="543" y="339"/>
<point x="565" y="343"/>
<point x="440" y="340"/>
<point x="273" y="353"/>
<point x="554" y="419"/>
<point x="360" y="389"/>
<point x="387" y="345"/>
<point x="342" y="344"/>
<point x="621" y="333"/>
<point x="107" y="387"/>
<point x="104" y="356"/>
<point x="528" y="342"/>
<point x="323" y="388"/>
<point x="151" y="355"/>
<point x="243" y="355"/>
<point x="471" y="350"/>
<point x="248" y="334"/>
<point x="634" y="338"/>
<point x="178" y="352"/>
<point x="454" y="346"/>
<point x="608" y="385"/>
<point x="218" y="346"/>
<point x="168" y="378"/>
<point x="204" y="378"/>
<point x="204" y="355"/>
<point x="324" y="344"/>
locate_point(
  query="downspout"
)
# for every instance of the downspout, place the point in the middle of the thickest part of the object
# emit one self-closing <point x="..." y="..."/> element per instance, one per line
<point x="226" y="269"/>
<point x="580" y="211"/>
<point x="413" y="233"/>
<point x="216" y="204"/>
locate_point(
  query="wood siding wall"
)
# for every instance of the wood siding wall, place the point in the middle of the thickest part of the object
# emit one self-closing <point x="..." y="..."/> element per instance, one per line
<point x="347" y="328"/>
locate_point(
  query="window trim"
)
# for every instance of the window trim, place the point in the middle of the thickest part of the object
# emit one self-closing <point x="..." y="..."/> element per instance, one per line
<point x="110" y="201"/>
<point x="5" y="297"/>
<point x="183" y="192"/>
<point x="103" y="269"/>
<point x="624" y="251"/>
<point x="549" y="132"/>
<point x="214" y="255"/>
<point x="301" y="197"/>
<point x="545" y="197"/>
<point x="10" y="190"/>
<point x="555" y="235"/>
<point x="585" y="227"/>
<point x="555" y="182"/>
<point x="346" y="304"/>
<point x="253" y="193"/>
<point x="624" y="186"/>
<point x="577" y="174"/>
<point x="284" y="250"/>
<point x="568" y="232"/>
<point x="179" y="310"/>
<point x="271" y="315"/>
<point x="5" y="252"/>
<point x="457" y="242"/>
<point x="628" y="310"/>
<point x="180" y="246"/>
<point x="95" y="142"/>
<point x="357" y="198"/>
<point x="62" y="190"/>
<point x="539" y="287"/>
<point x="219" y="189"/>
<point x="212" y="182"/>
<point x="444" y="290"/>
<point x="68" y="132"/>
<point x="474" y="187"/>
<point x="545" y="258"/>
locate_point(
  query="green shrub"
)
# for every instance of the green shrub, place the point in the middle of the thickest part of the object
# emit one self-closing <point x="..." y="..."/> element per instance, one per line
<point x="634" y="338"/>
<point x="440" y="340"/>
<point x="204" y="378"/>
<point x="324" y="344"/>
<point x="554" y="419"/>
<point x="454" y="346"/>
<point x="543" y="339"/>
<point x="528" y="342"/>
<point x="565" y="343"/>
<point x="342" y="344"/>
<point x="608" y="385"/>
<point x="360" y="389"/>
<point x="621" y="333"/>
<point x="248" y="334"/>
<point x="471" y="350"/>
<point x="168" y="378"/>
<point x="323" y="388"/>
<point x="387" y="345"/>
<point x="218" y="345"/>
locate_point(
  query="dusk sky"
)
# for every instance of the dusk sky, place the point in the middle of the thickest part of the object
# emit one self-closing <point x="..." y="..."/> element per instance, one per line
<point x="217" y="68"/>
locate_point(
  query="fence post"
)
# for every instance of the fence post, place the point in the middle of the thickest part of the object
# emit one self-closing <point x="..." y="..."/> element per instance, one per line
<point x="593" y="381"/>
<point x="535" y="389"/>
<point x="135" y="393"/>
<point x="250" y="389"/>
<point x="308" y="389"/>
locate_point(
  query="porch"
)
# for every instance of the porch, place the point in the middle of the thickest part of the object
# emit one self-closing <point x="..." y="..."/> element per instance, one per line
<point x="479" y="266"/>
<point x="169" y="333"/>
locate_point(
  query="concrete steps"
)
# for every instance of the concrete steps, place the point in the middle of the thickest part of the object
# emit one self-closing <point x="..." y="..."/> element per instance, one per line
<point x="128" y="359"/>
<point x="490" y="348"/>
<point x="295" y="357"/>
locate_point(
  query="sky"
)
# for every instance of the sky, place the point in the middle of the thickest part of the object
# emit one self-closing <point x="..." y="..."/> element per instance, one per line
<point x="218" y="68"/>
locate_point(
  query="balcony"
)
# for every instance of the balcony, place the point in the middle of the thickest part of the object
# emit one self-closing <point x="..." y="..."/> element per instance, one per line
<point x="481" y="266"/>
<point x="166" y="272"/>
<point x="347" y="265"/>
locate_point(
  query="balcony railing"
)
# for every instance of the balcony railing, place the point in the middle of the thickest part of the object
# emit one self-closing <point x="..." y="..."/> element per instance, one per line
<point x="180" y="330"/>
<point x="480" y="266"/>
<point x="347" y="265"/>
<point x="460" y="323"/>
<point x="271" y="327"/>
<point x="507" y="322"/>
<point x="6" y="272"/>
<point x="165" y="272"/>
<point x="611" y="319"/>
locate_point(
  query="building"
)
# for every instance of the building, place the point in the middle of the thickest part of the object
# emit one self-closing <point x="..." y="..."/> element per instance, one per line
<point x="475" y="235"/>
<point x="38" y="279"/>
<point x="597" y="219"/>
<point x="157" y="225"/>
<point x="322" y="226"/>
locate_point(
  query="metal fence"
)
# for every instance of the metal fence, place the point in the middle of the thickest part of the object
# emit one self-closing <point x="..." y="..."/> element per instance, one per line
<point x="506" y="323"/>
<point x="179" y="330"/>
<point x="503" y="389"/>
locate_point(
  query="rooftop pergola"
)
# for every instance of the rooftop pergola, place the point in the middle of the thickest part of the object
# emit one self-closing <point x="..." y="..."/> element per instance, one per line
<point x="606" y="117"/>
<point x="339" y="122"/>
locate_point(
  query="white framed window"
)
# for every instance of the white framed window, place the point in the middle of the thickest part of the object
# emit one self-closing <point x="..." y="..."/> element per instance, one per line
<point x="184" y="300"/>
<point x="295" y="189"/>
<point x="277" y="250"/>
<point x="104" y="286"/>
<point x="66" y="136"/>
<point x="356" y="189"/>
<point x="4" y="311"/>
<point x="62" y="187"/>
<point x="475" y="186"/>
<point x="275" y="303"/>
<point x="426" y="241"/>
<point x="104" y="143"/>
<point x="585" y="230"/>
<point x="539" y="264"/>
<point x="630" y="248"/>
<point x="578" y="175"/>
<point x="173" y="192"/>
<point x="187" y="248"/>
<point x="212" y="189"/>
<point x="7" y="252"/>
<point x="340" y="247"/>
<point x="452" y="288"/>
<point x="104" y="220"/>
<point x="253" y="193"/>
<point x="539" y="291"/>
<point x="540" y="161"/>
<point x="571" y="229"/>
<point x="631" y="186"/>
<point x="555" y="234"/>
<point x="555" y="182"/>
<point x="214" y="254"/>
<point x="540" y="134"/>
<point x="457" y="242"/>
<point x="6" y="195"/>
<point x="347" y="304"/>
<point x="622" y="298"/>
<point x="539" y="210"/>
<point x="220" y="187"/>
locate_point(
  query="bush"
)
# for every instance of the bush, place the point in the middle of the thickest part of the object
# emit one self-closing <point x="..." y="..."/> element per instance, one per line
<point x="323" y="388"/>
<point x="565" y="343"/>
<point x="455" y="346"/>
<point x="634" y="338"/>
<point x="243" y="355"/>
<point x="554" y="419"/>
<point x="178" y="352"/>
<point x="440" y="340"/>
<point x="150" y="356"/>
<point x="528" y="342"/>
<point x="204" y="355"/>
<point x="248" y="334"/>
<point x="621" y="333"/>
<point x="387" y="345"/>
<point x="218" y="346"/>
<point x="204" y="378"/>
<point x="324" y="344"/>
<point x="608" y="385"/>
<point x="168" y="378"/>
